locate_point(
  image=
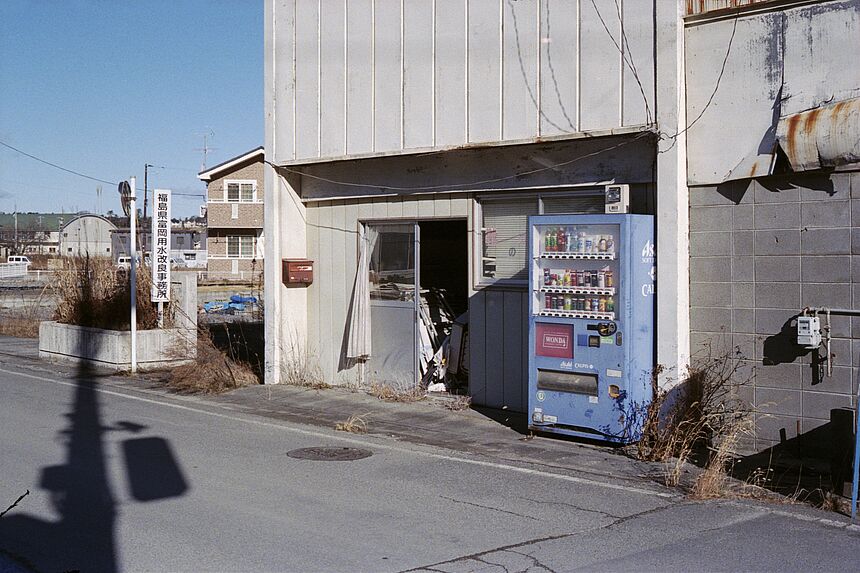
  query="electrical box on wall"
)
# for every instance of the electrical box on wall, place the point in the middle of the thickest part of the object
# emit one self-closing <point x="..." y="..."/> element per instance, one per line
<point x="297" y="272"/>
<point x="617" y="198"/>
<point x="809" y="331"/>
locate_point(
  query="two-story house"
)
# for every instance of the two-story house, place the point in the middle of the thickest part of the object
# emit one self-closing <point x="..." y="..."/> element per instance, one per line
<point x="234" y="204"/>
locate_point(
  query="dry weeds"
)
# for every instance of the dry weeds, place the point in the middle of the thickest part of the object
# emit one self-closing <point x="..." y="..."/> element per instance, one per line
<point x="212" y="372"/>
<point x="300" y="366"/>
<point x="700" y="420"/>
<point x="19" y="325"/>
<point x="93" y="292"/>
<point x="354" y="425"/>
<point x="458" y="403"/>
<point x="397" y="392"/>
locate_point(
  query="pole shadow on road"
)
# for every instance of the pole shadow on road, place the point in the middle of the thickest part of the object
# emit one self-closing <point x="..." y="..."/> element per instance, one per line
<point x="83" y="538"/>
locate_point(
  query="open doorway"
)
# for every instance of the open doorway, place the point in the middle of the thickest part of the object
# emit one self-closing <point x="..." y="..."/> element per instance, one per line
<point x="444" y="287"/>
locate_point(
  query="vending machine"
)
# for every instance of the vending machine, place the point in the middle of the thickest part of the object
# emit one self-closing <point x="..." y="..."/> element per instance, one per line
<point x="591" y="324"/>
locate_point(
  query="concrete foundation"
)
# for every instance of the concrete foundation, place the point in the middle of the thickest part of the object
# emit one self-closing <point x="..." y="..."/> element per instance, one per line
<point x="156" y="349"/>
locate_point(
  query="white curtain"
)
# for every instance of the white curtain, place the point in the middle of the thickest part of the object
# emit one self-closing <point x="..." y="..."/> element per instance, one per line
<point x="358" y="346"/>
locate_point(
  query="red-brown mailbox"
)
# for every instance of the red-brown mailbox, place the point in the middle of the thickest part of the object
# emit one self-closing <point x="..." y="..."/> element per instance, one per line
<point x="298" y="272"/>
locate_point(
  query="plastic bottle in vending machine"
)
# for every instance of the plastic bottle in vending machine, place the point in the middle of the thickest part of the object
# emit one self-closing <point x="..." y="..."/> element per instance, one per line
<point x="610" y="244"/>
<point x="580" y="242"/>
<point x="568" y="302"/>
<point x="547" y="280"/>
<point x="610" y="281"/>
<point x="602" y="304"/>
<point x="568" y="240"/>
<point x="610" y="304"/>
<point x="601" y="245"/>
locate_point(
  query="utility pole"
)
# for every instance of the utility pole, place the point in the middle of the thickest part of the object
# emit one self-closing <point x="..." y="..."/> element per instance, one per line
<point x="146" y="167"/>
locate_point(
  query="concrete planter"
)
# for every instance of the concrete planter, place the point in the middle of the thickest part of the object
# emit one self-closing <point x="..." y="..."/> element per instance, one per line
<point x="156" y="349"/>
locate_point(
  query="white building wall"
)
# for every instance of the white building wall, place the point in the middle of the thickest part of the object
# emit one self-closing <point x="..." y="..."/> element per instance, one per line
<point x="353" y="78"/>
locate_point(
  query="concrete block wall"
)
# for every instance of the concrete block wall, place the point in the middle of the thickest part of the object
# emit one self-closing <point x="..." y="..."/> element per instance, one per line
<point x="760" y="251"/>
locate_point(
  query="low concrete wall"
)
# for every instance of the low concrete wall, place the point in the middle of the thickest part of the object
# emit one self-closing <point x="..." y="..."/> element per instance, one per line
<point x="112" y="348"/>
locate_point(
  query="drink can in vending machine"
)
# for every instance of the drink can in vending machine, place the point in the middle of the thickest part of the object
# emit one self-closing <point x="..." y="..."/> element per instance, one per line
<point x="609" y="279"/>
<point x="601" y="279"/>
<point x="547" y="301"/>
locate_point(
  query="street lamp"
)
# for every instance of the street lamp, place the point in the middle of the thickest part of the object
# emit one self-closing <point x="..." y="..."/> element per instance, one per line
<point x="127" y="198"/>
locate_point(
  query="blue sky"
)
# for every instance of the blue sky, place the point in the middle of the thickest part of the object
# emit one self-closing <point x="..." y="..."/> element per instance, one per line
<point x="103" y="87"/>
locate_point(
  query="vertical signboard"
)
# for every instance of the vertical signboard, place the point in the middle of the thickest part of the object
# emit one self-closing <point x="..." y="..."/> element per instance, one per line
<point x="161" y="246"/>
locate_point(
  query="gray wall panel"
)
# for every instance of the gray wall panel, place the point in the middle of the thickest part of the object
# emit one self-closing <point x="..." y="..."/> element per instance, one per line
<point x="639" y="41"/>
<point x="283" y="87"/>
<point x="521" y="45"/>
<point x="484" y="89"/>
<point x="333" y="78"/>
<point x="387" y="77"/>
<point x="307" y="79"/>
<point x="418" y="73"/>
<point x="469" y="71"/>
<point x="558" y="72"/>
<point x="450" y="67"/>
<point x="788" y="265"/>
<point x="360" y="76"/>
<point x="601" y="65"/>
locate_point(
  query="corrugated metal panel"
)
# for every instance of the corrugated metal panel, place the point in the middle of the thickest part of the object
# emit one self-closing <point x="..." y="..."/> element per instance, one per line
<point x="781" y="62"/>
<point x="469" y="71"/>
<point x="827" y="136"/>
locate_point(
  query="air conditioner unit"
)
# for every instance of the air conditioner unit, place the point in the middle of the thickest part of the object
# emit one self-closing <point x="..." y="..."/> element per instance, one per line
<point x="617" y="198"/>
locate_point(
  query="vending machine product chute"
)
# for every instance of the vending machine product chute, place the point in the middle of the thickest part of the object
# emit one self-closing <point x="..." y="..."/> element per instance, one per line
<point x="591" y="324"/>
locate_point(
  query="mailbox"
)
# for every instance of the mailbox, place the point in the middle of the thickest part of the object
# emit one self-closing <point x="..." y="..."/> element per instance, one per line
<point x="298" y="272"/>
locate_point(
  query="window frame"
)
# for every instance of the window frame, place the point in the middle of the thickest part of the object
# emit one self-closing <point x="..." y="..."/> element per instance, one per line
<point x="253" y="238"/>
<point x="240" y="182"/>
<point x="482" y="282"/>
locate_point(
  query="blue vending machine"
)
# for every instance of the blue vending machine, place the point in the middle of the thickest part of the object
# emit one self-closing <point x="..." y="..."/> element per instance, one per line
<point x="591" y="324"/>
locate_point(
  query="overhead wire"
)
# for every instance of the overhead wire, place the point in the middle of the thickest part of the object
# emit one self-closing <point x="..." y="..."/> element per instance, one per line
<point x="674" y="137"/>
<point x="85" y="176"/>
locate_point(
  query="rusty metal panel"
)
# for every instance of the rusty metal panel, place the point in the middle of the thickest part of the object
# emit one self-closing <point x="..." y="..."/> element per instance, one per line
<point x="822" y="45"/>
<point x="731" y="115"/>
<point x="828" y="136"/>
<point x="782" y="62"/>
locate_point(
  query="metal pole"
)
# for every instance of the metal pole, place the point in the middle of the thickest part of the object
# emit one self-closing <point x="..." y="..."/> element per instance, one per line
<point x="856" y="482"/>
<point x="133" y="274"/>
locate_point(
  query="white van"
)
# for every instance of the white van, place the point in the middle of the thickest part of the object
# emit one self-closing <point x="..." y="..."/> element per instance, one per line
<point x="20" y="259"/>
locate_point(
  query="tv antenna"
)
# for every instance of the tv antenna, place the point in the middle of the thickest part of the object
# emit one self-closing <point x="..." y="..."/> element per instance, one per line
<point x="207" y="139"/>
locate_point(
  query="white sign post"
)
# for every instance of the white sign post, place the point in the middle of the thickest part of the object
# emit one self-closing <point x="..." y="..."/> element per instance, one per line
<point x="126" y="192"/>
<point x="160" y="251"/>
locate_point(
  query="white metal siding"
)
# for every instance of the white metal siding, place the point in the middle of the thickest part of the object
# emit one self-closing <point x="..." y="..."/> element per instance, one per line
<point x="392" y="76"/>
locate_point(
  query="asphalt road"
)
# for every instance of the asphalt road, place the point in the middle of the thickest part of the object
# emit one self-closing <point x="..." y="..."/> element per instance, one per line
<point x="121" y="480"/>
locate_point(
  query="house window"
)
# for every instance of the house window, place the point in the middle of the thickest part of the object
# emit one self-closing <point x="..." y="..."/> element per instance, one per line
<point x="241" y="247"/>
<point x="504" y="230"/>
<point x="241" y="191"/>
<point x="180" y="241"/>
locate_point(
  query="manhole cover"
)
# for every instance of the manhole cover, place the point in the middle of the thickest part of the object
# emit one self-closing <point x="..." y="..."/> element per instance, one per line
<point x="330" y="454"/>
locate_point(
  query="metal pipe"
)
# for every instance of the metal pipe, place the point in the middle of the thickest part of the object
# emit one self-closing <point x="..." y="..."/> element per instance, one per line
<point x="133" y="274"/>
<point x="856" y="481"/>
<point x="824" y="309"/>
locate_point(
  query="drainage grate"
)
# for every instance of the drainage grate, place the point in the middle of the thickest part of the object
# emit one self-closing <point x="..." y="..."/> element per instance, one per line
<point x="325" y="454"/>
